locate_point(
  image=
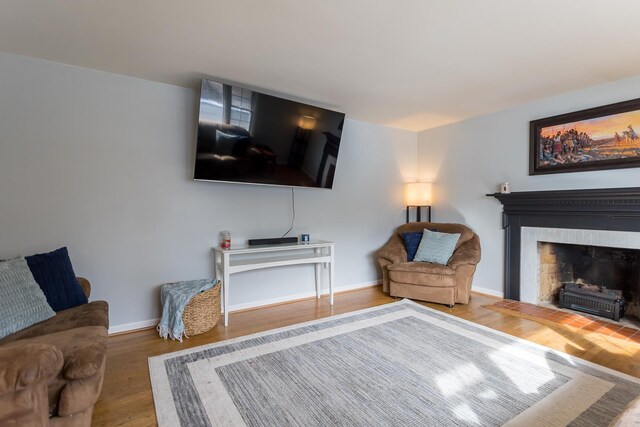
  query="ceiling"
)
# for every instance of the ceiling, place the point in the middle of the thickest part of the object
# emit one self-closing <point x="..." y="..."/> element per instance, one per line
<point x="412" y="64"/>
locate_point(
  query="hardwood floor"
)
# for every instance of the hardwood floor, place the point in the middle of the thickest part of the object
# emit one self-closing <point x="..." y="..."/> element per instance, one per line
<point x="126" y="395"/>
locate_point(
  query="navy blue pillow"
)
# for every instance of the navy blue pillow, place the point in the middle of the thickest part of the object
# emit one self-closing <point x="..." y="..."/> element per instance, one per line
<point x="411" y="243"/>
<point x="54" y="273"/>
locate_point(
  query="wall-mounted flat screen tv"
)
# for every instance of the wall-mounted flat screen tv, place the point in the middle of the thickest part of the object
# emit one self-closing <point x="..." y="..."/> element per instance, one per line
<point x="246" y="136"/>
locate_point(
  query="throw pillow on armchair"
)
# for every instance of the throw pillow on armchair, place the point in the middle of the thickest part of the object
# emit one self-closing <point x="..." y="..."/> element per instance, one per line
<point x="411" y="243"/>
<point x="22" y="302"/>
<point x="436" y="247"/>
<point x="54" y="273"/>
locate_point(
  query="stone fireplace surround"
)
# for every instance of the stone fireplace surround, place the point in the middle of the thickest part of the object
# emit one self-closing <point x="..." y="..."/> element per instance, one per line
<point x="607" y="217"/>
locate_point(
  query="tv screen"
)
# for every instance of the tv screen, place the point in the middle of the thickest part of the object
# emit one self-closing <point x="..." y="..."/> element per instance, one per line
<point x="250" y="137"/>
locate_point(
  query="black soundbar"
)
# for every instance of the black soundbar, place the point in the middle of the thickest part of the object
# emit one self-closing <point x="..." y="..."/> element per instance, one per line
<point x="273" y="241"/>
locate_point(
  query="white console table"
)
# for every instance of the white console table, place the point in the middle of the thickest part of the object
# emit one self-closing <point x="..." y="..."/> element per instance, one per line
<point x="245" y="258"/>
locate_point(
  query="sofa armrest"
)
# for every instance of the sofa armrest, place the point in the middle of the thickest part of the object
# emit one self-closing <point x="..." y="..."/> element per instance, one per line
<point x="24" y="365"/>
<point x="394" y="250"/>
<point x="86" y="286"/>
<point x="467" y="254"/>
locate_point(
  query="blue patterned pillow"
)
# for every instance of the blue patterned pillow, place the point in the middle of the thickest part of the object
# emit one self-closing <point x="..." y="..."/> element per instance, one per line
<point x="54" y="273"/>
<point x="411" y="242"/>
<point x="22" y="302"/>
<point x="436" y="247"/>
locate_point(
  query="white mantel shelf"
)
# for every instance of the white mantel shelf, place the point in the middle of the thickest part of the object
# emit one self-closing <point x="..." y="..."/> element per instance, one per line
<point x="238" y="259"/>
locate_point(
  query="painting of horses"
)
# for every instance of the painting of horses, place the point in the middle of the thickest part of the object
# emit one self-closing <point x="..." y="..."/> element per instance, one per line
<point x="598" y="138"/>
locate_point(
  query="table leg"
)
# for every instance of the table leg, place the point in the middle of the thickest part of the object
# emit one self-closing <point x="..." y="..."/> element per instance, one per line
<point x="216" y="275"/>
<point x="331" y="278"/>
<point x="318" y="277"/>
<point x="216" y="265"/>
<point x="225" y="287"/>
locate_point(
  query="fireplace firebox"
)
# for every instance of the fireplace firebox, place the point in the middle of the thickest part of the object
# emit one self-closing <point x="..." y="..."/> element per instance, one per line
<point x="599" y="280"/>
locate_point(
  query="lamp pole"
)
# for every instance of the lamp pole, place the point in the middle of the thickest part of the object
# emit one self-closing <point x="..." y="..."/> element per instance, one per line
<point x="419" y="211"/>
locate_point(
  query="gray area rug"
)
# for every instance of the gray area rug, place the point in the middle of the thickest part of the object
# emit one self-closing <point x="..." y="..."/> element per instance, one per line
<point x="400" y="364"/>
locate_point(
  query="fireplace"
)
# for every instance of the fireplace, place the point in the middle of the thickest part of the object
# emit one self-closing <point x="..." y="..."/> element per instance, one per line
<point x="596" y="279"/>
<point x="604" y="218"/>
<point x="612" y="268"/>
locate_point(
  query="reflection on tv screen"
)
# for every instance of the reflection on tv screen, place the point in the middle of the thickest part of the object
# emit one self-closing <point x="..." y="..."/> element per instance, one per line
<point x="250" y="137"/>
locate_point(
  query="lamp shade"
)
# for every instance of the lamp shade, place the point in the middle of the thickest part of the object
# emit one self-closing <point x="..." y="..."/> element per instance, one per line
<point x="419" y="194"/>
<point x="307" y="122"/>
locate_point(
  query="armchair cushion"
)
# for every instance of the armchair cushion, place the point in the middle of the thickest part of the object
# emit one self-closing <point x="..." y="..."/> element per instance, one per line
<point x="422" y="267"/>
<point x="436" y="247"/>
<point x="95" y="313"/>
<point x="428" y="279"/>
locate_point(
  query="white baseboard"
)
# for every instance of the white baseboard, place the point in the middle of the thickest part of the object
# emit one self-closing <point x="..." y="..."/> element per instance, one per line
<point x="302" y="295"/>
<point x="487" y="291"/>
<point x="145" y="324"/>
<point x="126" y="327"/>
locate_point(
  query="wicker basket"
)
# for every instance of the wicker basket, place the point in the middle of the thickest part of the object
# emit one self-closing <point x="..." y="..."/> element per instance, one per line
<point x="202" y="312"/>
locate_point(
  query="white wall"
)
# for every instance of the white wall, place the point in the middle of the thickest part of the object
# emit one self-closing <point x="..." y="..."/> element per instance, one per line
<point x="102" y="163"/>
<point x="469" y="159"/>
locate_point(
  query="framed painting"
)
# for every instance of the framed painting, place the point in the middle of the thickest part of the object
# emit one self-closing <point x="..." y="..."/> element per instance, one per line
<point x="598" y="138"/>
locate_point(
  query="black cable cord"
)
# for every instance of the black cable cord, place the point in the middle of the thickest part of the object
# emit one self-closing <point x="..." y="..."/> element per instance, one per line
<point x="293" y="208"/>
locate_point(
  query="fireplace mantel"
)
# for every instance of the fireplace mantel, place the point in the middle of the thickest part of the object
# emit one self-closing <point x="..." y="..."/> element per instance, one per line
<point x="616" y="209"/>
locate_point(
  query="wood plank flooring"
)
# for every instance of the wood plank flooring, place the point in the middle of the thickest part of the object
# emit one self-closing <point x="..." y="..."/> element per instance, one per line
<point x="126" y="395"/>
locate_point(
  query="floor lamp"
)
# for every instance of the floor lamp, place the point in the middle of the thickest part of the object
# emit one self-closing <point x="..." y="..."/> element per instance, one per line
<point x="419" y="196"/>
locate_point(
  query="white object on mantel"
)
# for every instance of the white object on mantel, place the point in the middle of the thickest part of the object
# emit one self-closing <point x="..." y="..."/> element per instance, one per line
<point x="229" y="261"/>
<point x="505" y="188"/>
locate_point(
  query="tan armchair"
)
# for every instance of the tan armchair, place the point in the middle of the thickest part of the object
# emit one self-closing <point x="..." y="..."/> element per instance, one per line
<point x="444" y="284"/>
<point x="51" y="373"/>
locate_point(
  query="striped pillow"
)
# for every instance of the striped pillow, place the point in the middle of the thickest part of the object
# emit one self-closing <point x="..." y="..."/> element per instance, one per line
<point x="22" y="302"/>
<point x="436" y="247"/>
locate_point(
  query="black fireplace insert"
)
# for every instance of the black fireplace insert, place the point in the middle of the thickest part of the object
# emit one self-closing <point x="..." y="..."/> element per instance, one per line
<point x="599" y="301"/>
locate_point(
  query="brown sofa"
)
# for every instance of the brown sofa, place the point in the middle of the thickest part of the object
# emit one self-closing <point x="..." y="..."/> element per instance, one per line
<point x="51" y="373"/>
<point x="444" y="284"/>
